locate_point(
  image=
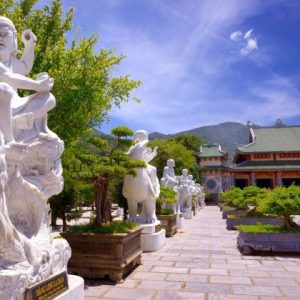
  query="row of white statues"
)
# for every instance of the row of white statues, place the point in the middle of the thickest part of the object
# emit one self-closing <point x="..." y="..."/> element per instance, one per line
<point x="30" y="170"/>
<point x="187" y="189"/>
<point x="145" y="188"/>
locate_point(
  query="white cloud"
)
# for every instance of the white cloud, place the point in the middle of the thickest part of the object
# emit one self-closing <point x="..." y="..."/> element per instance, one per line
<point x="247" y="43"/>
<point x="247" y="35"/>
<point x="236" y="36"/>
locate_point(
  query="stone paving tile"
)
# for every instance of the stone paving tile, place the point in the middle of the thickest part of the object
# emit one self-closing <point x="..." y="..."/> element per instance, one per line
<point x="256" y="290"/>
<point x="170" y="270"/>
<point x="96" y="291"/>
<point x="192" y="264"/>
<point x="124" y="293"/>
<point x="209" y="271"/>
<point x="274" y="282"/>
<point x="249" y="273"/>
<point x="231" y="297"/>
<point x="291" y="292"/>
<point x="208" y="288"/>
<point x="128" y="283"/>
<point x="148" y="276"/>
<point x="187" y="277"/>
<point x="230" y="280"/>
<point x="161" y="285"/>
<point x="156" y="263"/>
<point x="179" y="296"/>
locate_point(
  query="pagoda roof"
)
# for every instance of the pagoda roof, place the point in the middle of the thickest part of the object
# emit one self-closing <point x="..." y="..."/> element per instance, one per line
<point x="278" y="165"/>
<point x="214" y="150"/>
<point x="273" y="139"/>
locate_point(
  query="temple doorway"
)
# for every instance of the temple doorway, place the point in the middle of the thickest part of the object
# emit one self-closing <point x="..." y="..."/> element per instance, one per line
<point x="289" y="181"/>
<point x="265" y="183"/>
<point x="241" y="183"/>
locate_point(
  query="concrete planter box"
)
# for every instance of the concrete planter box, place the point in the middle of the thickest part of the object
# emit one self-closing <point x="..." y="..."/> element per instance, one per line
<point x="168" y="223"/>
<point x="269" y="242"/>
<point x="96" y="255"/>
<point x="233" y="212"/>
<point x="231" y="223"/>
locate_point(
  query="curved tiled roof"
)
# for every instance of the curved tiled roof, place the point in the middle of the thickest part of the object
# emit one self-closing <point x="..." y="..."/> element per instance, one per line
<point x="273" y="139"/>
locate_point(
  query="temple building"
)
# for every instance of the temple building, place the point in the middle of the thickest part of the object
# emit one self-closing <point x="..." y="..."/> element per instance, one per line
<point x="214" y="160"/>
<point x="272" y="158"/>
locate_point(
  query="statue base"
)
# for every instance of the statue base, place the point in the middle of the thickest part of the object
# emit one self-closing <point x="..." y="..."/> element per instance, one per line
<point x="179" y="221"/>
<point x="153" y="237"/>
<point x="75" y="291"/>
<point x="188" y="214"/>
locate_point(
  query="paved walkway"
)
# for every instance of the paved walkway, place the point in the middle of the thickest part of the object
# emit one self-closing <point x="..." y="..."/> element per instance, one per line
<point x="203" y="263"/>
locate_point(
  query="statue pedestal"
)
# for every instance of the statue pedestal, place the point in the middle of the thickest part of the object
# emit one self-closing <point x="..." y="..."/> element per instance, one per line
<point x="188" y="214"/>
<point x="75" y="291"/>
<point x="153" y="237"/>
<point x="179" y="221"/>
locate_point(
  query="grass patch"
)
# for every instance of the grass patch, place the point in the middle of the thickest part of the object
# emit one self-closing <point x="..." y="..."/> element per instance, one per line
<point x="266" y="228"/>
<point x="113" y="227"/>
<point x="166" y="212"/>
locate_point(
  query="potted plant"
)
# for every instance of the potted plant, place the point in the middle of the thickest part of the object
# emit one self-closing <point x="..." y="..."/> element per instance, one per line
<point x="281" y="202"/>
<point x="248" y="200"/>
<point x="105" y="247"/>
<point x="230" y="199"/>
<point x="166" y="215"/>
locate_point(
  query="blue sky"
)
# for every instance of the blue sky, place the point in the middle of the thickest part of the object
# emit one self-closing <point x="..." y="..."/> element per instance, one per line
<point x="201" y="62"/>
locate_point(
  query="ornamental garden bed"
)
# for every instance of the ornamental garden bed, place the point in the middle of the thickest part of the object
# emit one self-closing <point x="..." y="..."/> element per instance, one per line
<point x="233" y="211"/>
<point x="98" y="255"/>
<point x="168" y="222"/>
<point x="233" y="221"/>
<point x="267" y="238"/>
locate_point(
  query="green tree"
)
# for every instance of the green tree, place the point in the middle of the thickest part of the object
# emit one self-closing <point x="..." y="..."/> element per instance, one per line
<point x="283" y="202"/>
<point x="85" y="89"/>
<point x="189" y="141"/>
<point x="104" y="165"/>
<point x="171" y="149"/>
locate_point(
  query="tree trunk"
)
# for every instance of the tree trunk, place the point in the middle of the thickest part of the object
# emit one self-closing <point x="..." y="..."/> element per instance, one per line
<point x="64" y="222"/>
<point x="102" y="203"/>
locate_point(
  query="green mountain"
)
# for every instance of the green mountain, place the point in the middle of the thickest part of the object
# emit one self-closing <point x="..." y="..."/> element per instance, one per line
<point x="229" y="135"/>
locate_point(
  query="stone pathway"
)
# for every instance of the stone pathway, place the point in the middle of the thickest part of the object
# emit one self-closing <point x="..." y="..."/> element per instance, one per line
<point x="203" y="263"/>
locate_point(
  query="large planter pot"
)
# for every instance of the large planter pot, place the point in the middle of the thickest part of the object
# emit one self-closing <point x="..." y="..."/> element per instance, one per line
<point x="236" y="212"/>
<point x="231" y="223"/>
<point x="168" y="223"/>
<point x="96" y="255"/>
<point x="270" y="242"/>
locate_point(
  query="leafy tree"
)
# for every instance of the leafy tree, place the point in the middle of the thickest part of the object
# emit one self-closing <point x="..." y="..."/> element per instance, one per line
<point x="283" y="202"/>
<point x="171" y="149"/>
<point x="189" y="141"/>
<point x="85" y="89"/>
<point x="104" y="165"/>
<point x="231" y="196"/>
<point x="167" y="196"/>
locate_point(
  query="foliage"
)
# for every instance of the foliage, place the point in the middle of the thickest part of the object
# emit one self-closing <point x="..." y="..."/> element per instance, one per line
<point x="113" y="227"/>
<point x="189" y="141"/>
<point x="168" y="149"/>
<point x="167" y="196"/>
<point x="230" y="196"/>
<point x="166" y="212"/>
<point x="250" y="196"/>
<point x="266" y="228"/>
<point x="85" y="89"/>
<point x="104" y="164"/>
<point x="283" y="202"/>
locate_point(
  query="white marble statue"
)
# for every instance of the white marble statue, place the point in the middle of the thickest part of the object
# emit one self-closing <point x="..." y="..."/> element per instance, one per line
<point x="169" y="178"/>
<point x="144" y="187"/>
<point x="30" y="170"/>
<point x="185" y="195"/>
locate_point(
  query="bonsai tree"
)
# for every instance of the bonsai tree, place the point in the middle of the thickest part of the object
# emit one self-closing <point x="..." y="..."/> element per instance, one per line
<point x="283" y="202"/>
<point x="167" y="196"/>
<point x="231" y="196"/>
<point x="106" y="163"/>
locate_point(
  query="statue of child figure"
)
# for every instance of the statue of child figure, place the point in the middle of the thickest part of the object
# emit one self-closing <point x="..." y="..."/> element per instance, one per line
<point x="22" y="119"/>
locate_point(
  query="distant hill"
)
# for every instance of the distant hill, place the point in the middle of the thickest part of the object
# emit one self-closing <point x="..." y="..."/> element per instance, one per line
<point x="229" y="135"/>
